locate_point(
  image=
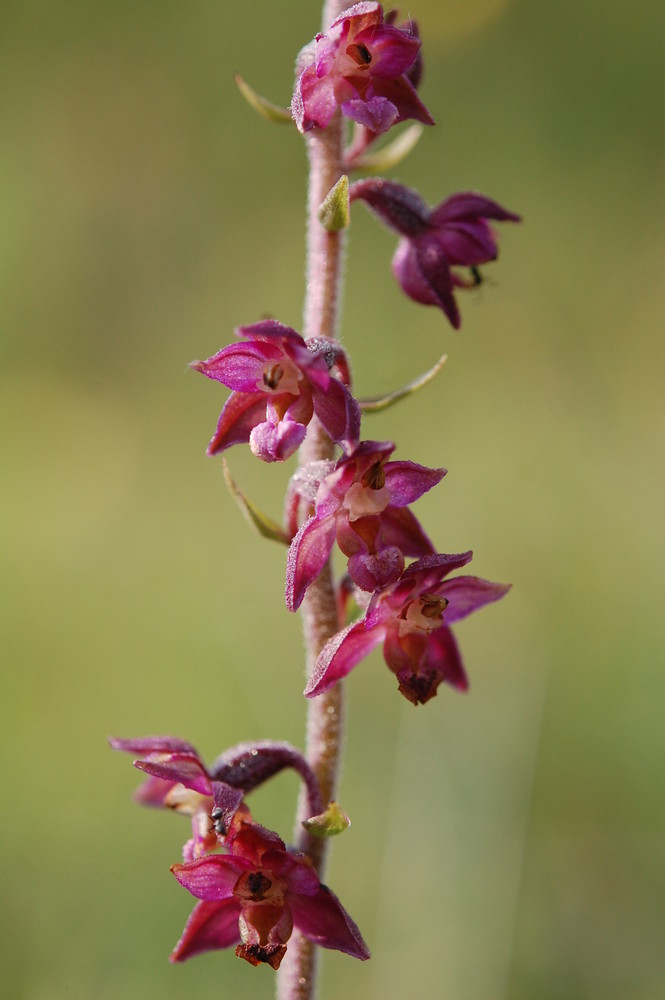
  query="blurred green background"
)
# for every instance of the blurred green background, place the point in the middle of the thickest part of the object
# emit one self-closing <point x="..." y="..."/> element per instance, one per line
<point x="507" y="844"/>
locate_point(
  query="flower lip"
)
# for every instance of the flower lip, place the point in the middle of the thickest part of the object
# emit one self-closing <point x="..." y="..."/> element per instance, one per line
<point x="257" y="887"/>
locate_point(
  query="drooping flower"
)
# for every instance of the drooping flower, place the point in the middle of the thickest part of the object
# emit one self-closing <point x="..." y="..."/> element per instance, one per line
<point x="255" y="895"/>
<point x="435" y="241"/>
<point x="412" y="619"/>
<point x="362" y="65"/>
<point x="278" y="383"/>
<point x="362" y="503"/>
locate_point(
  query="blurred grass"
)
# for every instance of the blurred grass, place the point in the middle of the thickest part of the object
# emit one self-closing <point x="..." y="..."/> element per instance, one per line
<point x="506" y="844"/>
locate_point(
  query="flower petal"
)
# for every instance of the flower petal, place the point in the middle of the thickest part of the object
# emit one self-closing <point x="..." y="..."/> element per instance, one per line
<point x="185" y="769"/>
<point x="240" y="366"/>
<point x="301" y="879"/>
<point x="338" y="411"/>
<point x="408" y="481"/>
<point x="340" y="655"/>
<point x="393" y="50"/>
<point x="466" y="594"/>
<point x="430" y="570"/>
<point x="153" y="792"/>
<point x="470" y="205"/>
<point x="431" y="260"/>
<point x="153" y="744"/>
<point x="401" y="528"/>
<point x="307" y="556"/>
<point x="212" y="877"/>
<point x="404" y="96"/>
<point x="242" y="412"/>
<point x="444" y="657"/>
<point x="323" y="920"/>
<point x="211" y="925"/>
<point x="269" y="330"/>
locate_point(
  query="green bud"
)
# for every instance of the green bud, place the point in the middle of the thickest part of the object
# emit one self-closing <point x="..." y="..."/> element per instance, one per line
<point x="329" y="823"/>
<point x="334" y="213"/>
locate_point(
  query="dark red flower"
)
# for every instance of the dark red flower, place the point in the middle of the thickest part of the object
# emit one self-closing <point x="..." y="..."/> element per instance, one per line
<point x="255" y="895"/>
<point x="412" y="619"/>
<point x="435" y="241"/>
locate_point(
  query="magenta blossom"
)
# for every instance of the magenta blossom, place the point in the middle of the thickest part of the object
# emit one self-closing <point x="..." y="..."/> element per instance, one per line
<point x="278" y="383"/>
<point x="212" y="796"/>
<point x="178" y="781"/>
<point x="434" y="241"/>
<point x="255" y="895"/>
<point x="412" y="619"/>
<point x="362" y="65"/>
<point x="362" y="504"/>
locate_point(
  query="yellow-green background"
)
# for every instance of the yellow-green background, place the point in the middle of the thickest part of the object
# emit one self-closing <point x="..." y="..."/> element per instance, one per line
<point x="507" y="844"/>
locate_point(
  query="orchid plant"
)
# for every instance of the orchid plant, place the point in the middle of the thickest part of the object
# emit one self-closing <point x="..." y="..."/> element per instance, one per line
<point x="291" y="392"/>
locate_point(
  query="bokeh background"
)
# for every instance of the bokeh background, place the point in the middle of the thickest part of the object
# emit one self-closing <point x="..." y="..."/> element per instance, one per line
<point x="507" y="844"/>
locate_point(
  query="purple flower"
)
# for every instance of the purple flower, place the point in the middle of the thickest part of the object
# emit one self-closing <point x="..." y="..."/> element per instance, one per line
<point x="434" y="241"/>
<point x="362" y="65"/>
<point x="255" y="895"/>
<point x="212" y="796"/>
<point x="178" y="781"/>
<point x="278" y="384"/>
<point x="362" y="504"/>
<point x="412" y="619"/>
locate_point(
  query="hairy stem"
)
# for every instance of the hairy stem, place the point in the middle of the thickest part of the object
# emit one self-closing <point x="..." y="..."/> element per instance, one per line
<point x="297" y="974"/>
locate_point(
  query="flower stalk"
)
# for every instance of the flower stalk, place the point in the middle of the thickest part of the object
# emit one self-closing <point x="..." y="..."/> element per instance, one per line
<point x="296" y="979"/>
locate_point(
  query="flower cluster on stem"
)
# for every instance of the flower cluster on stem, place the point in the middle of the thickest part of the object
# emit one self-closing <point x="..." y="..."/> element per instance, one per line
<point x="292" y="392"/>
